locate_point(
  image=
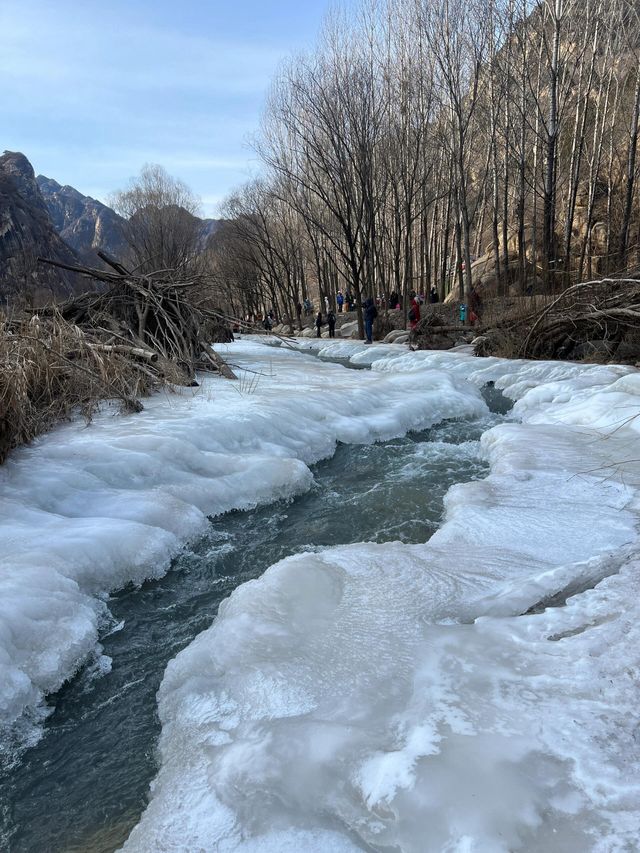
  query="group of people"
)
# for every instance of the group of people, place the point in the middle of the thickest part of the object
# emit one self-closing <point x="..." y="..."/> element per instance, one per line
<point x="370" y="313"/>
<point x="345" y="302"/>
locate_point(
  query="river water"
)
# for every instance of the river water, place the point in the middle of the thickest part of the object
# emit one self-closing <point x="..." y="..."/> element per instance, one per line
<point x="85" y="784"/>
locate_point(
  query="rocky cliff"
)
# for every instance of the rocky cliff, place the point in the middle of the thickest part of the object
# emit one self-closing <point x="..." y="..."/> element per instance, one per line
<point x="84" y="223"/>
<point x="27" y="232"/>
<point x="88" y="225"/>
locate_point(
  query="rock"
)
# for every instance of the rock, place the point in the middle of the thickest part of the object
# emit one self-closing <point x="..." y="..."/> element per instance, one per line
<point x="84" y="223"/>
<point x="400" y="339"/>
<point x="27" y="232"/>
<point x="393" y="336"/>
<point x="346" y="331"/>
<point x="308" y="333"/>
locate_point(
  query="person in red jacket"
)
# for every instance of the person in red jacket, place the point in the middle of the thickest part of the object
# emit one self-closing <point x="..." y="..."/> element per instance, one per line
<point x="414" y="313"/>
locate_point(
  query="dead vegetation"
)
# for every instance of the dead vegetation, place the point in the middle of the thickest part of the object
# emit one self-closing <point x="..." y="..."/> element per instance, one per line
<point x="594" y="320"/>
<point x="141" y="332"/>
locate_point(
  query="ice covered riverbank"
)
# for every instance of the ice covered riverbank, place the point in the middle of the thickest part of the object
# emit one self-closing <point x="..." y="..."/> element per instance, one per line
<point x="420" y="698"/>
<point x="87" y="510"/>
<point x="368" y="696"/>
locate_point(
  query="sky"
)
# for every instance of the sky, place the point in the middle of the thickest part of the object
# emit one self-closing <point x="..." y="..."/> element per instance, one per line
<point x="94" y="89"/>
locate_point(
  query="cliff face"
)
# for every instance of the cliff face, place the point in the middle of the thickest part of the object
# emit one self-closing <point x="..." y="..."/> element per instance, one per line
<point x="88" y="225"/>
<point x="41" y="218"/>
<point x="27" y="232"/>
<point x="207" y="230"/>
<point x="84" y="223"/>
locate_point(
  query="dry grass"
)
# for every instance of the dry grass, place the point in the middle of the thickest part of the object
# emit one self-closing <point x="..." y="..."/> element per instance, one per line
<point x="137" y="334"/>
<point x="49" y="371"/>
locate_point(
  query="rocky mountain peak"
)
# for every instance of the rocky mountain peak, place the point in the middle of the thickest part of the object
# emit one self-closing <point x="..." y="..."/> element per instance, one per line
<point x="26" y="233"/>
<point x="85" y="223"/>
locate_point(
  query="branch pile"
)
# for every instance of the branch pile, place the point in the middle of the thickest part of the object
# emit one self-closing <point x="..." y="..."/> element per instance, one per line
<point x="138" y="334"/>
<point x="597" y="320"/>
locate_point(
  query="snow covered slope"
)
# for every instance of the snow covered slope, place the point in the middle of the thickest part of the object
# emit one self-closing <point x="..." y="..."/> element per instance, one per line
<point x="85" y="510"/>
<point x="477" y="693"/>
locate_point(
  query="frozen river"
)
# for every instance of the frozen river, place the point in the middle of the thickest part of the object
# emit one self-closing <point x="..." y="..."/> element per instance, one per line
<point x="406" y="663"/>
<point x="103" y="733"/>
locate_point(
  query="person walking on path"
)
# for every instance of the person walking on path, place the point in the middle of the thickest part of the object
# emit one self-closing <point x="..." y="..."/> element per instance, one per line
<point x="414" y="313"/>
<point x="326" y="305"/>
<point x="319" y="324"/>
<point x="331" y="320"/>
<point x="370" y="314"/>
<point x="340" y="301"/>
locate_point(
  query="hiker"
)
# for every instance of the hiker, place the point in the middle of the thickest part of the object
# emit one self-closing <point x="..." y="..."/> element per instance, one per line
<point x="331" y="320"/>
<point x="475" y="303"/>
<point x="340" y="301"/>
<point x="349" y="301"/>
<point x="414" y="313"/>
<point x="308" y="307"/>
<point x="370" y="314"/>
<point x="326" y="305"/>
<point x="433" y="296"/>
<point x="319" y="324"/>
<point x="268" y="325"/>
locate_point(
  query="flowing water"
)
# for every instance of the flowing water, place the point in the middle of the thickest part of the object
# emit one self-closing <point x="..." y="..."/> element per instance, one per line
<point x="85" y="784"/>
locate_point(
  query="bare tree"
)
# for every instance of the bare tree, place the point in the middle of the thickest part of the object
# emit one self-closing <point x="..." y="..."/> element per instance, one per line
<point x="162" y="227"/>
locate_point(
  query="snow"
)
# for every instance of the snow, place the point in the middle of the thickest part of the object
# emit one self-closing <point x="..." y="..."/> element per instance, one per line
<point x="85" y="510"/>
<point x="476" y="693"/>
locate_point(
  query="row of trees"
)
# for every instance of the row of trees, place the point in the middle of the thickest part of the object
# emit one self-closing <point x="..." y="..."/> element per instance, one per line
<point x="422" y="135"/>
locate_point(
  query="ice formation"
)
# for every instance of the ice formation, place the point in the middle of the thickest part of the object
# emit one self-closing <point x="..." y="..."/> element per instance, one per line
<point x="85" y="510"/>
<point x="476" y="693"/>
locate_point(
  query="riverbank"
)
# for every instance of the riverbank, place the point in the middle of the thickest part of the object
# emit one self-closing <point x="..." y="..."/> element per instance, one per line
<point x="88" y="510"/>
<point x="475" y="691"/>
<point x="554" y="517"/>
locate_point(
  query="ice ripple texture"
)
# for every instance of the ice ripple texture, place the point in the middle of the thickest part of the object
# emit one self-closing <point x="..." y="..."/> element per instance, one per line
<point x="85" y="510"/>
<point x="477" y="693"/>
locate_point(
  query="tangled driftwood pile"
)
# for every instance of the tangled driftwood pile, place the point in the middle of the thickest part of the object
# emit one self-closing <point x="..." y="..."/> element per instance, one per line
<point x="602" y="315"/>
<point x="149" y="318"/>
<point x="138" y="333"/>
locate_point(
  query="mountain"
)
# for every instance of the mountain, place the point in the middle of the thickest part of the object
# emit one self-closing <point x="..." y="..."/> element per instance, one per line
<point x="84" y="223"/>
<point x="88" y="225"/>
<point x="27" y="232"/>
<point x="207" y="230"/>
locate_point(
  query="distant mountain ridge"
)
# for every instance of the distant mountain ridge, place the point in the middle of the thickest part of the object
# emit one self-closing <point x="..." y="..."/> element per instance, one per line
<point x="41" y="218"/>
<point x="84" y="223"/>
<point x="88" y="225"/>
<point x="26" y="233"/>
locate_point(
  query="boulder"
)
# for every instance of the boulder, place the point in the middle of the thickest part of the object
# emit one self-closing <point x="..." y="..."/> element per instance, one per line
<point x="393" y="336"/>
<point x="347" y="330"/>
<point x="400" y="339"/>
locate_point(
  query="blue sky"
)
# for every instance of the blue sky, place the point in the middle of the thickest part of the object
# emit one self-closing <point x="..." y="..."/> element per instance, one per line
<point x="93" y="89"/>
